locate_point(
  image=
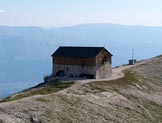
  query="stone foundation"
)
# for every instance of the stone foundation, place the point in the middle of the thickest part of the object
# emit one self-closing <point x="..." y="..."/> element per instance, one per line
<point x="74" y="70"/>
<point x="100" y="71"/>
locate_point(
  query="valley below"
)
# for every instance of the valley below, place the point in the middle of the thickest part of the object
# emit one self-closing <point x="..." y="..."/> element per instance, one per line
<point x="25" y="51"/>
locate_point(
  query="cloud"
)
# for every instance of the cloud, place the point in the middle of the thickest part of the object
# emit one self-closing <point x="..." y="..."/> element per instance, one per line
<point x="2" y="11"/>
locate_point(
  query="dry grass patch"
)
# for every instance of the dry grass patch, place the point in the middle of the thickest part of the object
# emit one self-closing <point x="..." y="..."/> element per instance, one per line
<point x="1" y="121"/>
<point x="42" y="100"/>
<point x="155" y="110"/>
<point x="45" y="89"/>
<point x="128" y="80"/>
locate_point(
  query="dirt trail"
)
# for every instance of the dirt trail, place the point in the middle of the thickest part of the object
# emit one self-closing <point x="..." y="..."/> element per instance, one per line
<point x="117" y="72"/>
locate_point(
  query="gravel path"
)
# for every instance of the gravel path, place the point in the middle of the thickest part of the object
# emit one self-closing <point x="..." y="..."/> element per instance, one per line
<point x="117" y="72"/>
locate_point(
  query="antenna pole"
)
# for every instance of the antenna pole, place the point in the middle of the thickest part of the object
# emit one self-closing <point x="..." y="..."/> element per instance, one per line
<point x="132" y="53"/>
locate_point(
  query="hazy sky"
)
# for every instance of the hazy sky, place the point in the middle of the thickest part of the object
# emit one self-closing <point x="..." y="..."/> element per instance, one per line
<point x="54" y="13"/>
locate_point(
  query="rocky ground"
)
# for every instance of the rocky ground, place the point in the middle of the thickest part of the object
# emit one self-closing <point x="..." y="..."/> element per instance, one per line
<point x="133" y="98"/>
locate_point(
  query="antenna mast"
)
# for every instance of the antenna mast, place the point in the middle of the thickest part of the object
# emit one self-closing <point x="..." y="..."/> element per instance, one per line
<point x="132" y="53"/>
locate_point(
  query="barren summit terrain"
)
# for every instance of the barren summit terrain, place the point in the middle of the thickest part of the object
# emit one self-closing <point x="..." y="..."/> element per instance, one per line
<point x="132" y="95"/>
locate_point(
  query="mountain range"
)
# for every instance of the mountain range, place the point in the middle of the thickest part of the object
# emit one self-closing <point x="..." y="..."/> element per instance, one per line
<point x="25" y="52"/>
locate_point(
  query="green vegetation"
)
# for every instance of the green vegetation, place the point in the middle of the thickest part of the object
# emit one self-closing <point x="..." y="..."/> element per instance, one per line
<point x="128" y="81"/>
<point x="1" y="121"/>
<point x="42" y="100"/>
<point x="45" y="89"/>
<point x="125" y="82"/>
<point x="158" y="56"/>
<point x="155" y="110"/>
<point x="65" y="120"/>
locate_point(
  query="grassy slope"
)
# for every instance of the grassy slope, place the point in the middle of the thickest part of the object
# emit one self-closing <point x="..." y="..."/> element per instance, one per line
<point x="40" y="90"/>
<point x="133" y="98"/>
<point x="132" y="82"/>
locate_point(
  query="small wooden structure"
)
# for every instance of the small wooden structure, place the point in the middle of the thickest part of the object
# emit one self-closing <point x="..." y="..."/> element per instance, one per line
<point x="82" y="62"/>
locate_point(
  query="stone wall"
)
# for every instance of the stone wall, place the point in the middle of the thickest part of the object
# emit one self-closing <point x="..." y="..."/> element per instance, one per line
<point x="74" y="70"/>
<point x="100" y="71"/>
<point x="103" y="70"/>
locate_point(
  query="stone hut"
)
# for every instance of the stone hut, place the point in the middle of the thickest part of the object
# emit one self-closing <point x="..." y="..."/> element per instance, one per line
<point x="81" y="62"/>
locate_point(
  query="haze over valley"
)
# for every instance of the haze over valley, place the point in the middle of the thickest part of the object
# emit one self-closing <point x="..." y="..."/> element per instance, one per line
<point x="25" y="52"/>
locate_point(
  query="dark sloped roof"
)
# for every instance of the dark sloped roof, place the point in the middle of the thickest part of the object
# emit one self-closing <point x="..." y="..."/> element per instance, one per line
<point x="68" y="51"/>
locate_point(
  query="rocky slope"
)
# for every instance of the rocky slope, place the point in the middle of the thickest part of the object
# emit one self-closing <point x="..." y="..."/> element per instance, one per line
<point x="134" y="98"/>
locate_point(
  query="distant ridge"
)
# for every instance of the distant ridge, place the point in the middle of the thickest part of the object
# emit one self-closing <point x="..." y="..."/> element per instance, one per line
<point x="25" y="51"/>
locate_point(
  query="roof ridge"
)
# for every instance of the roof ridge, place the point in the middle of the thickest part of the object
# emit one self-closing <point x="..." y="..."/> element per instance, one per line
<point x="83" y="46"/>
<point x="78" y="51"/>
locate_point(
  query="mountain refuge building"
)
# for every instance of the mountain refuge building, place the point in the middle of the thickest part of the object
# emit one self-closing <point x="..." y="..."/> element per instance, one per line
<point x="81" y="62"/>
